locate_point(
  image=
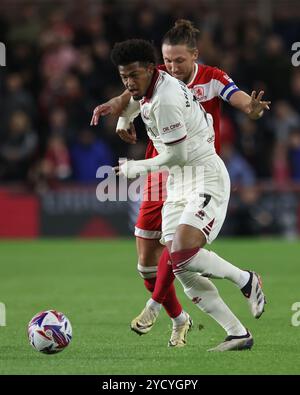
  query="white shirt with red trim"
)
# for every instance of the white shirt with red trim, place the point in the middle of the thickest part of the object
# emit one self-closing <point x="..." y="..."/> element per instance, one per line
<point x="171" y="114"/>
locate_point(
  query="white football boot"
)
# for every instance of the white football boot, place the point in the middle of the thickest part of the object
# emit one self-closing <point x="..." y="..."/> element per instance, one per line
<point x="144" y="322"/>
<point x="179" y="333"/>
<point x="254" y="294"/>
<point x="235" y="343"/>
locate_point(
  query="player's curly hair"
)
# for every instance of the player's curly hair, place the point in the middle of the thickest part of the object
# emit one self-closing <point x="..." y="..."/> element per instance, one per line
<point x="182" y="33"/>
<point x="134" y="50"/>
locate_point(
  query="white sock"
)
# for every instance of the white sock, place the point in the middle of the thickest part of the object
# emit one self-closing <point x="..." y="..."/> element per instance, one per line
<point x="206" y="296"/>
<point x="153" y="305"/>
<point x="210" y="264"/>
<point x="180" y="319"/>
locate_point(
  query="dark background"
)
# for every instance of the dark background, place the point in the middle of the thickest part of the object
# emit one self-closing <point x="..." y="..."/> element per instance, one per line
<point x="58" y="69"/>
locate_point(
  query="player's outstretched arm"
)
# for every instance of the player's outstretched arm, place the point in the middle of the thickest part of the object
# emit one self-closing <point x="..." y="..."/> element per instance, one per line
<point x="173" y="155"/>
<point x="114" y="106"/>
<point x="252" y="105"/>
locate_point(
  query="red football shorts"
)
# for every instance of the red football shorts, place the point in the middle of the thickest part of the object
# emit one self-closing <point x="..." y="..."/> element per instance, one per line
<point x="148" y="225"/>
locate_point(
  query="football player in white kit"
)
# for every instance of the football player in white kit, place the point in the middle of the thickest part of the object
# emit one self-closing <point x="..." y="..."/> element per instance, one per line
<point x="196" y="205"/>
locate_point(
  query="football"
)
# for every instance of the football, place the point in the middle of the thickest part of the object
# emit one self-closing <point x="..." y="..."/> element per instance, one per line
<point x="49" y="332"/>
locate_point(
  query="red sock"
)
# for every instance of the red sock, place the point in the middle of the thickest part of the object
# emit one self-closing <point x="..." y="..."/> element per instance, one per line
<point x="171" y="303"/>
<point x="165" y="277"/>
<point x="164" y="291"/>
<point x="150" y="283"/>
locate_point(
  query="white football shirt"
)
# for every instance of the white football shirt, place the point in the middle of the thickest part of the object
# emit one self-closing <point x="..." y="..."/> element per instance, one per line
<point x="171" y="113"/>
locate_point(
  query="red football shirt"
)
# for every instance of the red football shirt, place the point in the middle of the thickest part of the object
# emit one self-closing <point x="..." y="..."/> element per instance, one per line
<point x="209" y="85"/>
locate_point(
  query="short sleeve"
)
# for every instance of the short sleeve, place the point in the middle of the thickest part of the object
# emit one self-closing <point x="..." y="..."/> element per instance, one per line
<point x="170" y="122"/>
<point x="224" y="86"/>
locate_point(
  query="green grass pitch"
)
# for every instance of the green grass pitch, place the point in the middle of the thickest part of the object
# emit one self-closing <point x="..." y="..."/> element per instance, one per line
<point x="95" y="283"/>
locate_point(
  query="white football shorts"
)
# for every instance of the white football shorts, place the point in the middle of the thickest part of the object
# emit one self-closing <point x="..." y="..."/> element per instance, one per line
<point x="203" y="204"/>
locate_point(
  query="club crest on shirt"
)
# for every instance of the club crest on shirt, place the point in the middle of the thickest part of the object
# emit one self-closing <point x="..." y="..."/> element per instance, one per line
<point x="198" y="91"/>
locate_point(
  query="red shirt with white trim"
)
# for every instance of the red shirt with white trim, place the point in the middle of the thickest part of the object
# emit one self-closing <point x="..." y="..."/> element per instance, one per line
<point x="210" y="85"/>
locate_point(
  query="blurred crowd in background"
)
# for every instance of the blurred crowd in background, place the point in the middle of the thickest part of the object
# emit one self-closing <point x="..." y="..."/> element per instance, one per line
<point x="58" y="69"/>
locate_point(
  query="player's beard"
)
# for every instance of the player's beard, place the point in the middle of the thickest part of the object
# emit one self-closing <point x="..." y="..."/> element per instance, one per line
<point x="137" y="98"/>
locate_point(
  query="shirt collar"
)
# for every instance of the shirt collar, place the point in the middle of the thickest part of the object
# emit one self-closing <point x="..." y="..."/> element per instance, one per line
<point x="194" y="76"/>
<point x="151" y="87"/>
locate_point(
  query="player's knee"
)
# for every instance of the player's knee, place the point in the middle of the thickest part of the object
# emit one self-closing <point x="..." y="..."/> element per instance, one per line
<point x="147" y="272"/>
<point x="180" y="259"/>
<point x="187" y="237"/>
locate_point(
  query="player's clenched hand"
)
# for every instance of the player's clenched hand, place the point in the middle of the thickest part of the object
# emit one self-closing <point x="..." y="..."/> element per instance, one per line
<point x="101" y="110"/>
<point x="128" y="135"/>
<point x="257" y="105"/>
<point x="127" y="168"/>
